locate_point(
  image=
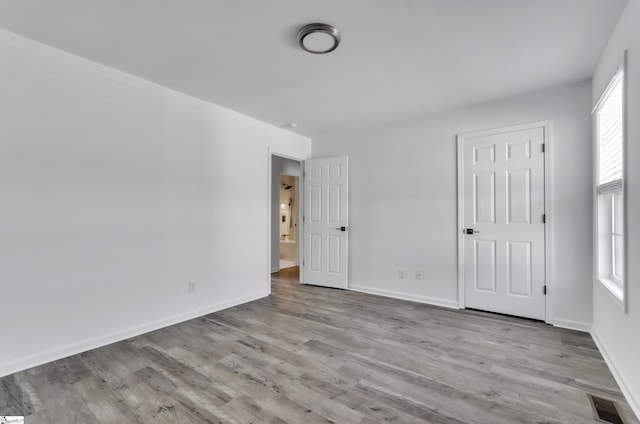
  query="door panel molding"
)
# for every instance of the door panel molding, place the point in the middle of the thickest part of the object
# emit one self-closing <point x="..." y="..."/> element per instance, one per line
<point x="516" y="212"/>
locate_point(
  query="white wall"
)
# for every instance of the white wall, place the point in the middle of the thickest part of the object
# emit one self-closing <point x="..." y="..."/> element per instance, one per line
<point x="403" y="198"/>
<point x="616" y="332"/>
<point x="116" y="192"/>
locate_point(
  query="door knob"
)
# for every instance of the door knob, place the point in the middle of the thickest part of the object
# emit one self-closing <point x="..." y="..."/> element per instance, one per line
<point x="470" y="231"/>
<point x="342" y="228"/>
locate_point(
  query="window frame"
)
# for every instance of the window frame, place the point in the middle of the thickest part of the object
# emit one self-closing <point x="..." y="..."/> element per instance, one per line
<point x="615" y="276"/>
<point x="605" y="208"/>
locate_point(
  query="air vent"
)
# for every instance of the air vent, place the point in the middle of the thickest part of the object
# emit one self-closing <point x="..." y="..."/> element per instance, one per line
<point x="605" y="411"/>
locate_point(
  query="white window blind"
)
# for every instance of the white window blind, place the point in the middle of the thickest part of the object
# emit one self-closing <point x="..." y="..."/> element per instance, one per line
<point x="610" y="137"/>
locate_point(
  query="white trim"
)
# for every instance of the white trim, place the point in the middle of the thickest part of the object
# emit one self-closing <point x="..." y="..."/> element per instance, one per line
<point x="549" y="214"/>
<point x="572" y="325"/>
<point x="546" y="128"/>
<point x="614" y="288"/>
<point x="611" y="290"/>
<point x="446" y="303"/>
<point x="633" y="399"/>
<point x="625" y="177"/>
<point x="460" y="205"/>
<point x="301" y="223"/>
<point x="269" y="216"/>
<point x="96" y="342"/>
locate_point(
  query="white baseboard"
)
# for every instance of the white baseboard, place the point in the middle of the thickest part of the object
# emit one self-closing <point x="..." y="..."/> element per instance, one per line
<point x="633" y="399"/>
<point x="406" y="296"/>
<point x="572" y="325"/>
<point x="99" y="341"/>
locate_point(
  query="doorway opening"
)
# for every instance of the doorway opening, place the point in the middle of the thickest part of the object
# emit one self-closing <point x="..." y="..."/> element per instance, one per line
<point x="288" y="221"/>
<point x="286" y="215"/>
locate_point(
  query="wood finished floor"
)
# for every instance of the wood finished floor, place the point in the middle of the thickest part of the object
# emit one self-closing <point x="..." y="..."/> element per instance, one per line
<point x="315" y="355"/>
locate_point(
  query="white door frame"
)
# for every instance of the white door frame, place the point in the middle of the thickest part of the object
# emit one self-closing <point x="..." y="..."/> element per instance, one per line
<point x="299" y="200"/>
<point x="546" y="125"/>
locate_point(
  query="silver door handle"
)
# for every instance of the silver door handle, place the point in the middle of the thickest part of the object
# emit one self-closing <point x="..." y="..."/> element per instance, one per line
<point x="470" y="231"/>
<point x="342" y="228"/>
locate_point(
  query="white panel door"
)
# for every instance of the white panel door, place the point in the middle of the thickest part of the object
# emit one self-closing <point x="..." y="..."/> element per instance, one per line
<point x="503" y="241"/>
<point x="326" y="222"/>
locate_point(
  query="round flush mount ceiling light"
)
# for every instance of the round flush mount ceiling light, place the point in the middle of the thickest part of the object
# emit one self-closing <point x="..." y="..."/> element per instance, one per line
<point x="318" y="38"/>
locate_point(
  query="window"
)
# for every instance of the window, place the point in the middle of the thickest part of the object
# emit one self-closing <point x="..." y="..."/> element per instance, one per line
<point x="610" y="139"/>
<point x="617" y="233"/>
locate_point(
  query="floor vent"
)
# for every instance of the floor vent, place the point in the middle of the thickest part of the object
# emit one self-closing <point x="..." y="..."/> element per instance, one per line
<point x="605" y="411"/>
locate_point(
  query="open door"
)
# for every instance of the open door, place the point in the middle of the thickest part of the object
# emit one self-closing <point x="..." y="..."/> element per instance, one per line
<point x="326" y="222"/>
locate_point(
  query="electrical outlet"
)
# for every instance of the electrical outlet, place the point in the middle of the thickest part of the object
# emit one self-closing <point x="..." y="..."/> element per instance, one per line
<point x="418" y="275"/>
<point x="401" y="273"/>
<point x="191" y="287"/>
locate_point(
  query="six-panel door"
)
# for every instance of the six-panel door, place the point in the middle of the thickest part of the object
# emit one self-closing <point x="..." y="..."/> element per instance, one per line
<point x="503" y="189"/>
<point x="326" y="223"/>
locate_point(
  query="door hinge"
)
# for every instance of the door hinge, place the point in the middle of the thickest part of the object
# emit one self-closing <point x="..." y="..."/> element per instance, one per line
<point x="544" y="218"/>
<point x="544" y="290"/>
<point x="304" y="218"/>
<point x="543" y="144"/>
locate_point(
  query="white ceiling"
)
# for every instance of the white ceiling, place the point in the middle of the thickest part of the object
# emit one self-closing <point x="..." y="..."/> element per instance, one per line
<point x="397" y="58"/>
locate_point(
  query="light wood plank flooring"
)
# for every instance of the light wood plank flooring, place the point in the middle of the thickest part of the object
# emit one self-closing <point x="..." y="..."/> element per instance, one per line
<point x="315" y="355"/>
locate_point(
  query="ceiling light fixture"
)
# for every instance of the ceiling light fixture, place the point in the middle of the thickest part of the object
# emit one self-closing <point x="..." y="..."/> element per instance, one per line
<point x="318" y="38"/>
